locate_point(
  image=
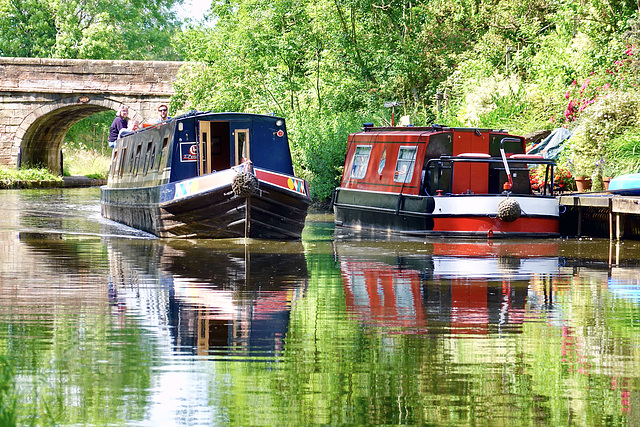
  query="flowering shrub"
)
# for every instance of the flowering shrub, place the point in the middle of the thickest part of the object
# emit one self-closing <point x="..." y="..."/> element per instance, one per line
<point x="606" y="118"/>
<point x="562" y="179"/>
<point x="618" y="77"/>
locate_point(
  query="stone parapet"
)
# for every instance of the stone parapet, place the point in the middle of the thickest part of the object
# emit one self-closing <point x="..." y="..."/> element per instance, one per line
<point x="51" y="75"/>
<point x="40" y="98"/>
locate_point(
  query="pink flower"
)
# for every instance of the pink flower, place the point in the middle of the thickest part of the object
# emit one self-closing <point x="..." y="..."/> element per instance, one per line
<point x="566" y="95"/>
<point x="584" y="85"/>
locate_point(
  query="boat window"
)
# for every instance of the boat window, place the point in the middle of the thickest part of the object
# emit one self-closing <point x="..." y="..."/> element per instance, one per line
<point x="132" y="159"/>
<point x="123" y="157"/>
<point x="163" y="154"/>
<point x="152" y="158"/>
<point x="360" y="161"/>
<point x="405" y="163"/>
<point x="242" y="145"/>
<point x="147" y="156"/>
<point x="136" y="163"/>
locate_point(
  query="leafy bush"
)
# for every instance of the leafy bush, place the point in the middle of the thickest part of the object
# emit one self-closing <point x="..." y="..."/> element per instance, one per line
<point x="319" y="146"/>
<point x="606" y="118"/>
<point x="31" y="174"/>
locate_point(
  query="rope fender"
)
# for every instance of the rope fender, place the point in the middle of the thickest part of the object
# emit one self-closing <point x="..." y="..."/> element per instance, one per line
<point x="509" y="210"/>
<point x="245" y="184"/>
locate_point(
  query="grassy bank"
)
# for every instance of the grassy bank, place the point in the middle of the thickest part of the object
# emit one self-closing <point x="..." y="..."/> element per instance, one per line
<point x="28" y="178"/>
<point x="89" y="163"/>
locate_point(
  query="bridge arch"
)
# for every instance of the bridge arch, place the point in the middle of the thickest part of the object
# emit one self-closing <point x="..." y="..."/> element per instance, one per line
<point x="42" y="98"/>
<point x="40" y="135"/>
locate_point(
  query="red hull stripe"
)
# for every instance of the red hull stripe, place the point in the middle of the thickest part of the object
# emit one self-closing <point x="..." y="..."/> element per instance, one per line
<point x="486" y="224"/>
<point x="285" y="181"/>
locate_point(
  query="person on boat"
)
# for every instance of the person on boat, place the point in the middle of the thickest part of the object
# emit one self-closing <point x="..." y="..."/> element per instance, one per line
<point x="164" y="114"/>
<point x="134" y="125"/>
<point x="119" y="123"/>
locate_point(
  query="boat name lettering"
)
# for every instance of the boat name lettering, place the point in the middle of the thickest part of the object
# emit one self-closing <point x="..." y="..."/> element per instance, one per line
<point x="188" y="152"/>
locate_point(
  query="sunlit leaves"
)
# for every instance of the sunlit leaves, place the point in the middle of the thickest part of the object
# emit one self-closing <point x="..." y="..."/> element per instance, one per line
<point x="97" y="29"/>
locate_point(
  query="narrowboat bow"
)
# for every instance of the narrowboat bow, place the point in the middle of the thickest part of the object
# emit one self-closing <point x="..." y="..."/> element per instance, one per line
<point x="444" y="181"/>
<point x="208" y="175"/>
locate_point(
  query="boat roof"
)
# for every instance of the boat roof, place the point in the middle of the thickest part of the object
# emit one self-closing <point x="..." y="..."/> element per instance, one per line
<point x="200" y="114"/>
<point x="368" y="127"/>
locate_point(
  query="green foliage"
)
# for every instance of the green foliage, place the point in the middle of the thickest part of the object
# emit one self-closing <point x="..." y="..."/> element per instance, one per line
<point x="7" y="394"/>
<point x="89" y="163"/>
<point x="28" y="174"/>
<point x="96" y="29"/>
<point x="27" y="178"/>
<point x="319" y="146"/>
<point x="90" y="133"/>
<point x="623" y="153"/>
<point x="605" y="119"/>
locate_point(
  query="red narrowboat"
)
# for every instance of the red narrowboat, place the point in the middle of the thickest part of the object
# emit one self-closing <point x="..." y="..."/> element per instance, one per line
<point x="439" y="180"/>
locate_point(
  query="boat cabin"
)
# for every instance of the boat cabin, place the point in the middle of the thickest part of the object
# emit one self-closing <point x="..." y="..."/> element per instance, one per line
<point x="198" y="144"/>
<point x="436" y="160"/>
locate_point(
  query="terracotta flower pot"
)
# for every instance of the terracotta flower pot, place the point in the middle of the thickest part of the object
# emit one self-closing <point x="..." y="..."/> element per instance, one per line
<point x="605" y="182"/>
<point x="583" y="183"/>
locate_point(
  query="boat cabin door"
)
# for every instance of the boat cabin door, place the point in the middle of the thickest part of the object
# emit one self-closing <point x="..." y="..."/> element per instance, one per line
<point x="213" y="146"/>
<point x="242" y="145"/>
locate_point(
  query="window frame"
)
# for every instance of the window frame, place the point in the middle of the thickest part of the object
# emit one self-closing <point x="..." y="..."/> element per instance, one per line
<point x="402" y="177"/>
<point x="359" y="170"/>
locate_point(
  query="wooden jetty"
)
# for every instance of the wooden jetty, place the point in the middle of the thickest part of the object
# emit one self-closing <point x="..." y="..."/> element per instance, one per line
<point x="600" y="214"/>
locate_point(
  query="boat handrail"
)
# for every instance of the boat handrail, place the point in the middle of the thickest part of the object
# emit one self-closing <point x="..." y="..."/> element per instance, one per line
<point x="474" y="155"/>
<point x="526" y="156"/>
<point x="477" y="159"/>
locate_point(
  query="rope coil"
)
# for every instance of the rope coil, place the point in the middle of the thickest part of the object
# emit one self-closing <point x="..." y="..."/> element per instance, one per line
<point x="509" y="210"/>
<point x="245" y="184"/>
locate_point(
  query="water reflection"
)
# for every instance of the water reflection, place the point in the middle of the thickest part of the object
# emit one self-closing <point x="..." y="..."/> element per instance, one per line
<point x="458" y="288"/>
<point x="334" y="330"/>
<point x="220" y="298"/>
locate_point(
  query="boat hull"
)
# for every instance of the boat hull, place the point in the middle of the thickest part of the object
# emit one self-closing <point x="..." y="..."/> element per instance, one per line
<point x="207" y="207"/>
<point x="455" y="215"/>
<point x="628" y="185"/>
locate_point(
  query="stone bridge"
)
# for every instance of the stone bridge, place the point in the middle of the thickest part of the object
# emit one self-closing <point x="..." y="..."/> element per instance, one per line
<point x="40" y="99"/>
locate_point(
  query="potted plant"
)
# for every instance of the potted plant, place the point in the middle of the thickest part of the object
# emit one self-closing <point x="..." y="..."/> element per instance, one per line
<point x="604" y="173"/>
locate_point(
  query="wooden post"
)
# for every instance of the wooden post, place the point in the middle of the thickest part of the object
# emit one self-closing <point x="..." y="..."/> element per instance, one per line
<point x="579" y="222"/>
<point x="610" y="221"/>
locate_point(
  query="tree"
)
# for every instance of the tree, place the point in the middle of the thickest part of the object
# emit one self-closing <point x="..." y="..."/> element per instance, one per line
<point x="93" y="29"/>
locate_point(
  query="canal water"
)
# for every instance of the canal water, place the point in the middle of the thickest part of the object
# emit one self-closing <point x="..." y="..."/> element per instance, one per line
<point x="101" y="324"/>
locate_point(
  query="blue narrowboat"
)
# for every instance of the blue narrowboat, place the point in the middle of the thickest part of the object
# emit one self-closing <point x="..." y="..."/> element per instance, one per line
<point x="208" y="175"/>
